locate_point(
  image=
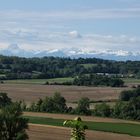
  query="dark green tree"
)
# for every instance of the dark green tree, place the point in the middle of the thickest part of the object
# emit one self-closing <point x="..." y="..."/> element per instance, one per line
<point x="4" y="100"/>
<point x="83" y="107"/>
<point x="59" y="103"/>
<point x="102" y="110"/>
<point x="12" y="125"/>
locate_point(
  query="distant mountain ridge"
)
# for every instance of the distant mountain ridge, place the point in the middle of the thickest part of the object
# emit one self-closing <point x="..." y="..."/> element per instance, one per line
<point x="15" y="50"/>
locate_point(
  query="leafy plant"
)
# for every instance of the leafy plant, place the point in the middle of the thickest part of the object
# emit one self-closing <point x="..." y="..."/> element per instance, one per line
<point x="78" y="128"/>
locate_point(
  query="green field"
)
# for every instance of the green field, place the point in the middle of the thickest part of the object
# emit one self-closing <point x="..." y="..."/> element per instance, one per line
<point x="59" y="80"/>
<point x="131" y="80"/>
<point x="90" y="65"/>
<point x="122" y="128"/>
<point x="38" y="81"/>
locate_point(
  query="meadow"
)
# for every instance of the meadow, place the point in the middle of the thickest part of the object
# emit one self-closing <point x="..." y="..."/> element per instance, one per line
<point x="38" y="81"/>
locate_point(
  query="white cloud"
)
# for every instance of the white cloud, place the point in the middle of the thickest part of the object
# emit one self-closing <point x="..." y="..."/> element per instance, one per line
<point x="74" y="34"/>
<point x="31" y="40"/>
<point x="46" y="30"/>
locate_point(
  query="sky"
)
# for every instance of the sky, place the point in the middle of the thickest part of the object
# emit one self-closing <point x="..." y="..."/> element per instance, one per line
<point x="89" y="25"/>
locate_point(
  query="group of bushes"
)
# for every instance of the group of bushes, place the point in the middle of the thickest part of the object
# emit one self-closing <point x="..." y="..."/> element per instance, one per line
<point x="54" y="104"/>
<point x="126" y="95"/>
<point x="92" y="80"/>
<point x="98" y="80"/>
<point x="121" y="109"/>
<point x="128" y="107"/>
<point x="57" y="104"/>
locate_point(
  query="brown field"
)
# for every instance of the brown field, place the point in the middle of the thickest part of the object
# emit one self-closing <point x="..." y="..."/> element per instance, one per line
<point x="42" y="132"/>
<point x="30" y="92"/>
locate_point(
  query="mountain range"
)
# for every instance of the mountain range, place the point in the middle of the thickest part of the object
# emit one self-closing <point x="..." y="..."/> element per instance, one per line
<point x="120" y="55"/>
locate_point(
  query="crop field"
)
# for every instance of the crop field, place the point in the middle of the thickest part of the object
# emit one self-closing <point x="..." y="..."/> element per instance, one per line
<point x="49" y="126"/>
<point x="45" y="132"/>
<point x="131" y="81"/>
<point x="54" y="122"/>
<point x="32" y="92"/>
<point x="122" y="128"/>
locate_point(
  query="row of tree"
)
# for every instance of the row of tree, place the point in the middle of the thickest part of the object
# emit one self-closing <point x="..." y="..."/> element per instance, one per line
<point x="57" y="104"/>
<point x="98" y="80"/>
<point x="92" y="80"/>
<point x="52" y="67"/>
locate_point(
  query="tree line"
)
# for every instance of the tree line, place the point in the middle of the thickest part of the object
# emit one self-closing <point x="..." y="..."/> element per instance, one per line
<point x="91" y="80"/>
<point x="122" y="109"/>
<point x="53" y="67"/>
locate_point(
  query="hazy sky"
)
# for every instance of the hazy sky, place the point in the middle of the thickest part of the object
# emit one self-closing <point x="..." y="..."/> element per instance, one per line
<point x="64" y="24"/>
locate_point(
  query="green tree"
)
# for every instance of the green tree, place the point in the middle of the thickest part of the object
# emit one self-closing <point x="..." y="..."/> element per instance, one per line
<point x="12" y="124"/>
<point x="4" y="100"/>
<point x="83" y="107"/>
<point x="59" y="103"/>
<point x="126" y="95"/>
<point x="78" y="128"/>
<point x="102" y="110"/>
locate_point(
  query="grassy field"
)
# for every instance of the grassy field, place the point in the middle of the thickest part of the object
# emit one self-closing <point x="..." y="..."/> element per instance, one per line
<point x="60" y="80"/>
<point x="38" y="81"/>
<point x="90" y="65"/>
<point x="122" y="128"/>
<point x="131" y="80"/>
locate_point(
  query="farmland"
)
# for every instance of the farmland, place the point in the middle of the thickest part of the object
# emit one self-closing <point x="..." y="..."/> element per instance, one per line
<point x="122" y="128"/>
<point x="39" y="81"/>
<point x="49" y="126"/>
<point x="96" y="123"/>
<point x="131" y="81"/>
<point x="32" y="92"/>
<point x="41" y="132"/>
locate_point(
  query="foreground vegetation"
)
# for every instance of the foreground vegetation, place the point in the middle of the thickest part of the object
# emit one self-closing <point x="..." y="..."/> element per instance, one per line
<point x="12" y="125"/>
<point x="122" y="128"/>
<point x="10" y="115"/>
<point x="78" y="128"/>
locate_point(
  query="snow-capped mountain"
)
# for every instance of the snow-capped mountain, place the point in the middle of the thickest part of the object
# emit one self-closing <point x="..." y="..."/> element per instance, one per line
<point x="15" y="50"/>
<point x="55" y="52"/>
